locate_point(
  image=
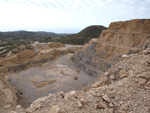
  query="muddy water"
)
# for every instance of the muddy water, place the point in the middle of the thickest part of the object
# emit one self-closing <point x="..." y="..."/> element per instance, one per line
<point x="51" y="77"/>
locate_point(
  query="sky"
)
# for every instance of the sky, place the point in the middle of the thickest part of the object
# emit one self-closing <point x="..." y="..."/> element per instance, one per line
<point x="68" y="16"/>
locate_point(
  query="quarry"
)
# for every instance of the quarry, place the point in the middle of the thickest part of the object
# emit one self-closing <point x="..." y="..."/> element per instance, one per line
<point x="109" y="74"/>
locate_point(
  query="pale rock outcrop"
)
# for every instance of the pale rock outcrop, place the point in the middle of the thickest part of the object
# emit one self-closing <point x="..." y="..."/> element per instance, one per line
<point x="120" y="40"/>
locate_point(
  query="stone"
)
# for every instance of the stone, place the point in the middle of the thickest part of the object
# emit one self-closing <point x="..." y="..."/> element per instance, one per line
<point x="130" y="73"/>
<point x="93" y="93"/>
<point x="106" y="74"/>
<point x="106" y="98"/>
<point x="99" y="94"/>
<point x="61" y="93"/>
<point x="56" y="109"/>
<point x="18" y="107"/>
<point x="80" y="94"/>
<point x="97" y="84"/>
<point x="68" y="96"/>
<point x="80" y="104"/>
<point x="123" y="107"/>
<point x="123" y="74"/>
<point x="111" y="95"/>
<point x="125" y="56"/>
<point x="148" y="50"/>
<point x="111" y="105"/>
<point x="101" y="105"/>
<point x="144" y="75"/>
<point x="83" y="101"/>
<point x="148" y="63"/>
<point x="141" y="81"/>
<point x="73" y="93"/>
<point x="112" y="76"/>
<point x="95" y="106"/>
<point x="147" y="85"/>
<point x="113" y="70"/>
<point x="145" y="51"/>
<point x="51" y="95"/>
<point x="110" y="110"/>
<point x="7" y="106"/>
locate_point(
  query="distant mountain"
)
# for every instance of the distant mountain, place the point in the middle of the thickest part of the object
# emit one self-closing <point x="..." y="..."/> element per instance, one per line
<point x="83" y="36"/>
<point x="28" y="35"/>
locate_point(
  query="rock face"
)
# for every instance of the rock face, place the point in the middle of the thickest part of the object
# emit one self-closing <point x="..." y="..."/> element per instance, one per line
<point x="119" y="39"/>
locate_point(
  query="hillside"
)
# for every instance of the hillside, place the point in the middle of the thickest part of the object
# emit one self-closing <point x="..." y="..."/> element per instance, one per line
<point x="83" y="36"/>
<point x="27" y="35"/>
<point x="11" y="40"/>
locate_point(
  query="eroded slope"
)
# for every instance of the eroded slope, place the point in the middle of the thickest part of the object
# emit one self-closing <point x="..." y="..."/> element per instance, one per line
<point x="119" y="39"/>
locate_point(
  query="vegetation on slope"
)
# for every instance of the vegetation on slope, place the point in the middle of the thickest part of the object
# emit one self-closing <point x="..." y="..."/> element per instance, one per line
<point x="11" y="40"/>
<point x="83" y="36"/>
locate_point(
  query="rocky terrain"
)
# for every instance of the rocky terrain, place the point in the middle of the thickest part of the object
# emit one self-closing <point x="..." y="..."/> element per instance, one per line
<point x="120" y="58"/>
<point x="124" y="88"/>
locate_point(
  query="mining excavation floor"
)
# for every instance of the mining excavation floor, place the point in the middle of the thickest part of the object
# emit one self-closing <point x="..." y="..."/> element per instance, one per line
<point x="51" y="77"/>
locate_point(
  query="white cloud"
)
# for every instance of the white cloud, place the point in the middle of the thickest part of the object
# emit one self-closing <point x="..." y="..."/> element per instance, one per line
<point x="24" y="14"/>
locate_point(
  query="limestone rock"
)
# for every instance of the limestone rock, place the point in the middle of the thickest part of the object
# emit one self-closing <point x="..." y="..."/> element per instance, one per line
<point x="73" y="93"/>
<point x="56" y="109"/>
<point x="7" y="106"/>
<point x="61" y="93"/>
<point x="80" y="94"/>
<point x="83" y="101"/>
<point x="97" y="84"/>
<point x="125" y="56"/>
<point x="69" y="96"/>
<point x="112" y="76"/>
<point x="111" y="105"/>
<point x="101" y="105"/>
<point x="123" y="107"/>
<point x="144" y="75"/>
<point x="123" y="74"/>
<point x="18" y="106"/>
<point x="141" y="81"/>
<point x="106" y="98"/>
<point x="80" y="104"/>
<point x="106" y="74"/>
<point x="148" y="85"/>
<point x="145" y="51"/>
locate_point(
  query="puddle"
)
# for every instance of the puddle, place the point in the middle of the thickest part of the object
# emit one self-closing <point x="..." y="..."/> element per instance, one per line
<point x="51" y="77"/>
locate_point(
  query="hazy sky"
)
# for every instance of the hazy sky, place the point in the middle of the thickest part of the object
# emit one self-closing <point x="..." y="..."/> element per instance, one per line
<point x="67" y="16"/>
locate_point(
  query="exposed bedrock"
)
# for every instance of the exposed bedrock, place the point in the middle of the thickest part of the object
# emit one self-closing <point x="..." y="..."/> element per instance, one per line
<point x="121" y="38"/>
